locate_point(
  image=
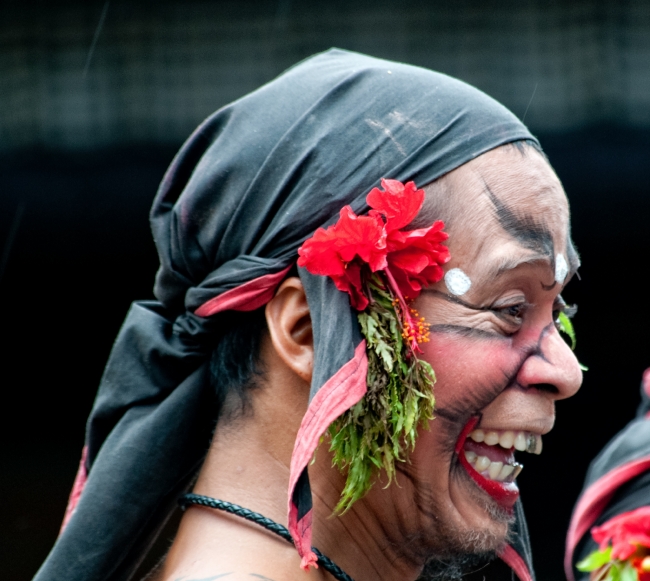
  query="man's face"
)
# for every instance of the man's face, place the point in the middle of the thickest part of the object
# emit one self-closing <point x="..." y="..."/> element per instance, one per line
<point x="495" y="348"/>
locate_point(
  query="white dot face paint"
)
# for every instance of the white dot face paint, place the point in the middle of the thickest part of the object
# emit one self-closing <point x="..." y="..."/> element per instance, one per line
<point x="457" y="281"/>
<point x="561" y="268"/>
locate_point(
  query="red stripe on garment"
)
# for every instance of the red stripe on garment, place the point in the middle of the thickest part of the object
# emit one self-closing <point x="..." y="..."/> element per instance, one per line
<point x="301" y="533"/>
<point x="246" y="297"/>
<point x="593" y="502"/>
<point x="77" y="489"/>
<point x="515" y="561"/>
<point x="343" y="390"/>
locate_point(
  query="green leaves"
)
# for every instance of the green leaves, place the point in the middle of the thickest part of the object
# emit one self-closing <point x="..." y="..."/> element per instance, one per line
<point x="610" y="570"/>
<point x="566" y="326"/>
<point x="595" y="560"/>
<point x="382" y="427"/>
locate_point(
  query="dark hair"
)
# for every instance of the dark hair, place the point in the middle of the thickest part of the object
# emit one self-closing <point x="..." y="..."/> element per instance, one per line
<point x="235" y="366"/>
<point x="521" y="146"/>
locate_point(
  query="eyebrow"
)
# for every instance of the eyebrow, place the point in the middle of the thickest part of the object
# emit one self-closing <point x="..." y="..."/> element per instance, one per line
<point x="524" y="229"/>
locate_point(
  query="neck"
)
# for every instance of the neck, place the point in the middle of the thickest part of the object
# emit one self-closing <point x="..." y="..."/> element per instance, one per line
<point x="366" y="541"/>
<point x="243" y="467"/>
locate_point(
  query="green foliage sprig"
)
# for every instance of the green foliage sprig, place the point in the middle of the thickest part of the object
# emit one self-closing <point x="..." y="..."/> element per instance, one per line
<point x="566" y="326"/>
<point x="382" y="427"/>
<point x="608" y="569"/>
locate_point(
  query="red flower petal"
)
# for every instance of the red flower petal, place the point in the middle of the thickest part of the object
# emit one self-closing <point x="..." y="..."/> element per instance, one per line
<point x="626" y="531"/>
<point x="399" y="203"/>
<point x="341" y="251"/>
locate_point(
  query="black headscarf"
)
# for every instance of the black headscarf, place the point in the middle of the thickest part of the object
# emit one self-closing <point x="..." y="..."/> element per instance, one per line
<point x="618" y="481"/>
<point x="248" y="187"/>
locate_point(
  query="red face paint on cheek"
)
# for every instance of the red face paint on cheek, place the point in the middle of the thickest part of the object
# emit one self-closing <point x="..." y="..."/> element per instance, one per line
<point x="469" y="365"/>
<point x="471" y="372"/>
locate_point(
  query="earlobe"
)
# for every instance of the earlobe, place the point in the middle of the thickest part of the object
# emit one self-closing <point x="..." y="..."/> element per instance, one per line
<point x="289" y="323"/>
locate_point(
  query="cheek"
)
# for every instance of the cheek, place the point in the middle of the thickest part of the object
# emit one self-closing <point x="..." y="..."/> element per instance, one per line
<point x="463" y="363"/>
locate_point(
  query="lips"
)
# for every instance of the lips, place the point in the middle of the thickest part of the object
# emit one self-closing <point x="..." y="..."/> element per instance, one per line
<point x="488" y="458"/>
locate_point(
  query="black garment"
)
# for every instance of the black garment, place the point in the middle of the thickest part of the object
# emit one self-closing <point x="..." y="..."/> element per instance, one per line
<point x="618" y="481"/>
<point x="248" y="187"/>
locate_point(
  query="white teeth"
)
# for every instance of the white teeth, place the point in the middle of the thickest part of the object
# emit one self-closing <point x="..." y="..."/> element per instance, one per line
<point x="521" y="442"/>
<point x="471" y="456"/>
<point x="495" y="469"/>
<point x="491" y="438"/>
<point x="477" y="436"/>
<point x="505" y="471"/>
<point x="507" y="439"/>
<point x="482" y="463"/>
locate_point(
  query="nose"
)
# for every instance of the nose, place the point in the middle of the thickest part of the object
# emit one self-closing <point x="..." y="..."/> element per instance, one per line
<point x="552" y="368"/>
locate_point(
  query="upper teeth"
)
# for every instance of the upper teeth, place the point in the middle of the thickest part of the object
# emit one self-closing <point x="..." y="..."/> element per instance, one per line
<point x="522" y="441"/>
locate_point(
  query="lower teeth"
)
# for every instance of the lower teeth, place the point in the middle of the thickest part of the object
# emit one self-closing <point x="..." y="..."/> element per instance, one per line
<point x="495" y="470"/>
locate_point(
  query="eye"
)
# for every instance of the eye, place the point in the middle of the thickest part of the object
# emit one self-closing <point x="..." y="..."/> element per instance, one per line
<point x="561" y="307"/>
<point x="511" y="314"/>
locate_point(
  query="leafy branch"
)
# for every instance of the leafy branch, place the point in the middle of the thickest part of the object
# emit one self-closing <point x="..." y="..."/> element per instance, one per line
<point x="382" y="427"/>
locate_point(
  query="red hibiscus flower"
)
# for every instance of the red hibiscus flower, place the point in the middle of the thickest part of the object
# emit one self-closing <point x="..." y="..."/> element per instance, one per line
<point x="376" y="242"/>
<point x="627" y="532"/>
<point x="415" y="257"/>
<point x="398" y="204"/>
<point x="340" y="251"/>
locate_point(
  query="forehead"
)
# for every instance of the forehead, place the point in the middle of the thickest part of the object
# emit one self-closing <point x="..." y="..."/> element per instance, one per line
<point x="504" y="203"/>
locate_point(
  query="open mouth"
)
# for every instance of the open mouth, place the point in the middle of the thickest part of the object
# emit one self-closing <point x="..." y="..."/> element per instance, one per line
<point x="488" y="456"/>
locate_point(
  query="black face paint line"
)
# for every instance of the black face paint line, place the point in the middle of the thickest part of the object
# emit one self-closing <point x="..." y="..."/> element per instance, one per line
<point x="472" y="402"/>
<point x="525" y="229"/>
<point x="456" y="300"/>
<point x="463" y="331"/>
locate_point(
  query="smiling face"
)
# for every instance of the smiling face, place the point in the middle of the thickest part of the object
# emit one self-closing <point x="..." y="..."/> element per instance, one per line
<point x="494" y="345"/>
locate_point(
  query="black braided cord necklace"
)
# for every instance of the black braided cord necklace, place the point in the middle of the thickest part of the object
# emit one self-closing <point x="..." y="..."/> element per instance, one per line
<point x="323" y="561"/>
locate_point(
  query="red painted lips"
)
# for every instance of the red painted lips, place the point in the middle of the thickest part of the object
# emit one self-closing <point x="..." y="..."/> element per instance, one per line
<point x="504" y="493"/>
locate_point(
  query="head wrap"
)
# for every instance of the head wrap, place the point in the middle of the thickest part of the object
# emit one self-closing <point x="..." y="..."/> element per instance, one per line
<point x="248" y="187"/>
<point x="618" y="481"/>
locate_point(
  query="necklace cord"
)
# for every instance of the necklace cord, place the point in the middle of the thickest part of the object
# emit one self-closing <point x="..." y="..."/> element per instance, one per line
<point x="270" y="525"/>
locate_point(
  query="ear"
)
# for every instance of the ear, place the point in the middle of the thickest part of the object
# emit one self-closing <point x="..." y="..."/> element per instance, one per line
<point x="289" y="324"/>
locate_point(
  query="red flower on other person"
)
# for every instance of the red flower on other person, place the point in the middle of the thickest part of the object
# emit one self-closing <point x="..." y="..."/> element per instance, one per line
<point x="376" y="242"/>
<point x="627" y="532"/>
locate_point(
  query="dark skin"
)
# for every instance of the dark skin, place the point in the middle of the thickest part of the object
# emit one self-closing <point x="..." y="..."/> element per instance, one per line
<point x="497" y="355"/>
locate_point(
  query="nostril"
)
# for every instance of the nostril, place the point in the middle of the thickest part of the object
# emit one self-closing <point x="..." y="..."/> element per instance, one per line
<point x="546" y="387"/>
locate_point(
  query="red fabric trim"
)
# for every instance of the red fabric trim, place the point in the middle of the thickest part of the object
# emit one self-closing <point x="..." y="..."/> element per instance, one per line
<point x="301" y="533"/>
<point x="77" y="489"/>
<point x="646" y="381"/>
<point x="593" y="502"/>
<point x="515" y="561"/>
<point x="246" y="297"/>
<point x="344" y="389"/>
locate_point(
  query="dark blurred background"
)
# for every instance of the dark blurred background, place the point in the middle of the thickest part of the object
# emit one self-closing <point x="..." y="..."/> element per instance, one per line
<point x="96" y="97"/>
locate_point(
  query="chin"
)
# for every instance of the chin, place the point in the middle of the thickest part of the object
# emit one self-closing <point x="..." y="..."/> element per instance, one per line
<point x="467" y="526"/>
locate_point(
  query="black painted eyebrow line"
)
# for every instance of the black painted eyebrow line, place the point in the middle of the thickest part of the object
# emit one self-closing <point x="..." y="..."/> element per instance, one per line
<point x="526" y="230"/>
<point x="455" y="299"/>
